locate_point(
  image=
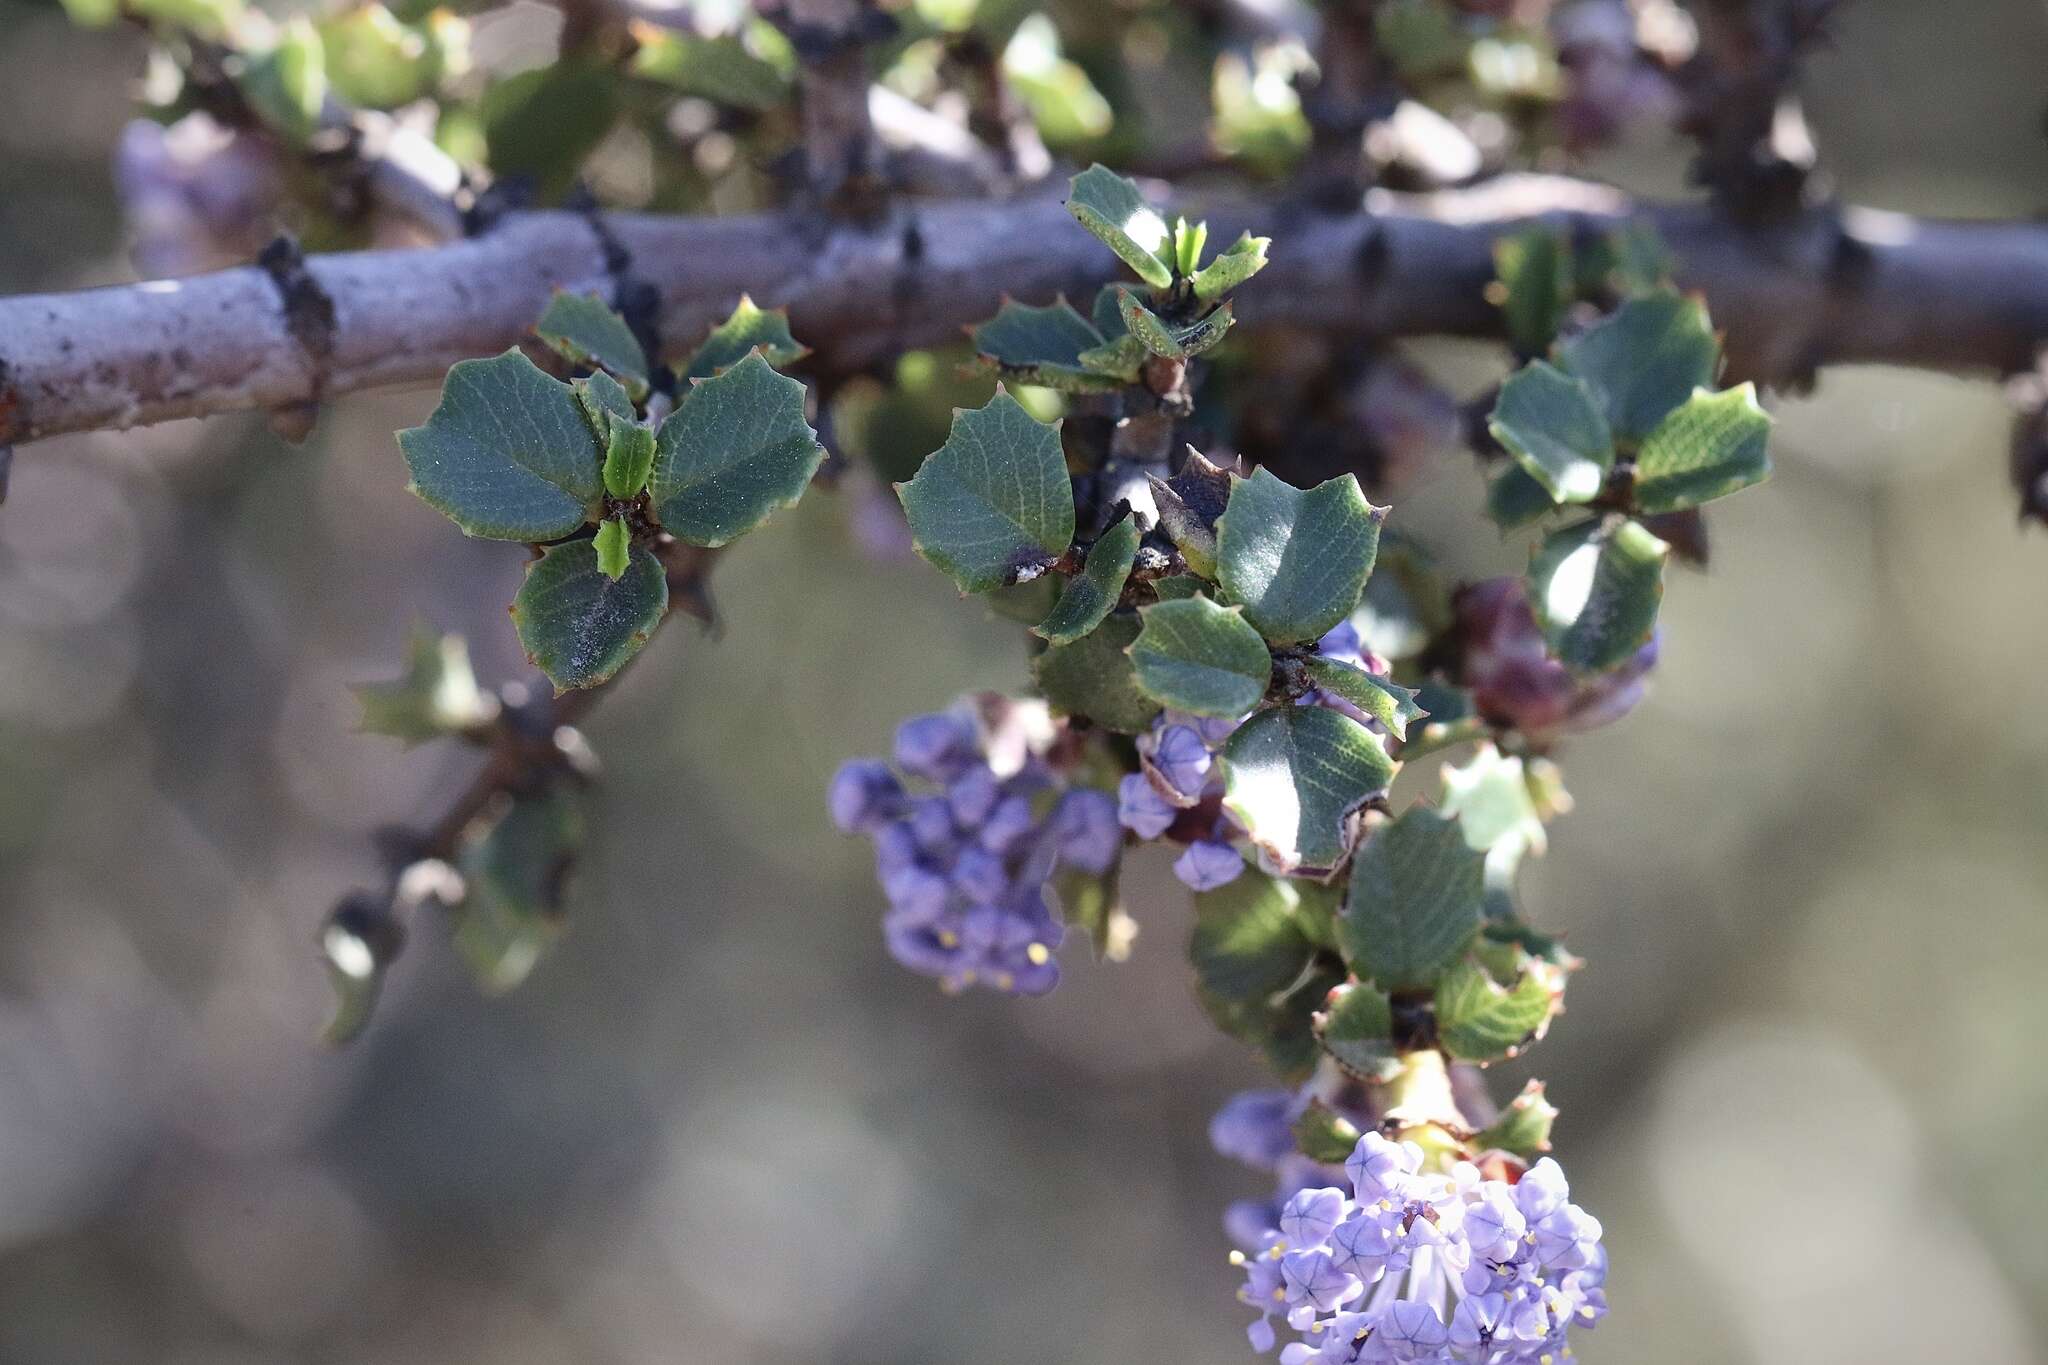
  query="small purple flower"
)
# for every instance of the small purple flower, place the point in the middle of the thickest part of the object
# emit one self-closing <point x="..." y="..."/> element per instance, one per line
<point x="973" y="795"/>
<point x="1010" y="826"/>
<point x="916" y="892"/>
<point x="1255" y="1127"/>
<point x="1315" y="1285"/>
<point x="1182" y="758"/>
<point x="1379" y="1168"/>
<point x="1141" y="809"/>
<point x="1084" y="824"/>
<point x="1311" y="1215"/>
<point x="980" y="875"/>
<point x="864" y="793"/>
<point x="1411" y="1330"/>
<point x="1207" y="865"/>
<point x="936" y="747"/>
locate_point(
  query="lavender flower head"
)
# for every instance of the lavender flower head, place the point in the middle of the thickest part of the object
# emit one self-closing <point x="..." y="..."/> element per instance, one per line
<point x="1409" y="1266"/>
<point x="964" y="856"/>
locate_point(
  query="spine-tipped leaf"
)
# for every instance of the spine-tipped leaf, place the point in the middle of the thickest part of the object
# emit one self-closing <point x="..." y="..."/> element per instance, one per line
<point x="736" y="449"/>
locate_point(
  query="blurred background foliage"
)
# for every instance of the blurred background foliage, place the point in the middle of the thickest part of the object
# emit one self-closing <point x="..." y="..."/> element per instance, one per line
<point x="1800" y="1077"/>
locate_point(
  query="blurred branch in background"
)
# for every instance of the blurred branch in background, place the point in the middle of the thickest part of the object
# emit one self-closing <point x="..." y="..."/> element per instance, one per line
<point x="1824" y="286"/>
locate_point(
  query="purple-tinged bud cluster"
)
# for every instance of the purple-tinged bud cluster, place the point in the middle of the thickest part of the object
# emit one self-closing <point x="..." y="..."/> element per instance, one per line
<point x="198" y="195"/>
<point x="964" y="859"/>
<point x="1514" y="679"/>
<point x="1179" y="774"/>
<point x="1411" y="1266"/>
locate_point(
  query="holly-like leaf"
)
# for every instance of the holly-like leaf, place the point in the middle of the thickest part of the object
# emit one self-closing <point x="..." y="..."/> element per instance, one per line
<point x="1249" y="940"/>
<point x="578" y="625"/>
<point x="1523" y="1128"/>
<point x="1245" y="258"/>
<point x="735" y="449"/>
<point x="584" y="331"/>
<point x="1189" y="505"/>
<point x="1092" y="594"/>
<point x="1535" y="270"/>
<point x="1391" y="705"/>
<point x="1417" y="892"/>
<point x="437" y="694"/>
<point x="1093" y="677"/>
<point x="1296" y="560"/>
<point x="1357" y="1030"/>
<point x="1710" y="446"/>
<point x="1479" y="1020"/>
<point x="1453" y="720"/>
<point x="508" y="454"/>
<point x="628" y="457"/>
<point x="748" y="329"/>
<point x="603" y="398"/>
<point x="993" y="505"/>
<point x="1291" y="776"/>
<point x="516" y="875"/>
<point x="1551" y="423"/>
<point x="1173" y="340"/>
<point x="1196" y="656"/>
<point x="1645" y="359"/>
<point x="1595" y="588"/>
<point x="1042" y="346"/>
<point x="1110" y="207"/>
<point x="1121" y="360"/>
<point x="1515" y="499"/>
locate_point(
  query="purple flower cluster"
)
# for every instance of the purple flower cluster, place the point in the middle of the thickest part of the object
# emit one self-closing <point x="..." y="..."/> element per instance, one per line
<point x="1516" y="681"/>
<point x="964" y="862"/>
<point x="1420" y="1267"/>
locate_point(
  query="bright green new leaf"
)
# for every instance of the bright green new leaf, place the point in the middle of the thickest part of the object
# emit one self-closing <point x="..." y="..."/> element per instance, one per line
<point x="1063" y="102"/>
<point x="993" y="505"/>
<point x="287" y="86"/>
<point x="614" y="543"/>
<point x="1645" y="359"/>
<point x="1188" y="241"/>
<point x="1523" y="1128"/>
<point x="516" y="874"/>
<point x="1296" y="560"/>
<point x="629" y="459"/>
<point x="1490" y="797"/>
<point x="1417" y="891"/>
<point x="1596" y="587"/>
<point x="1357" y="1031"/>
<point x="583" y="331"/>
<point x="1092" y="594"/>
<point x="1291" y="776"/>
<point x="1478" y="1020"/>
<point x="747" y="329"/>
<point x="1176" y="342"/>
<point x="1043" y="346"/>
<point x="1196" y="656"/>
<point x="735" y="449"/>
<point x="1391" y="705"/>
<point x="1710" y="446"/>
<point x="1245" y="258"/>
<point x="580" y="626"/>
<point x="92" y="13"/>
<point x="1093" y="677"/>
<point x="1120" y="360"/>
<point x="603" y="398"/>
<point x="509" y="454"/>
<point x="1110" y="207"/>
<point x="436" y="695"/>
<point x="1551" y="423"/>
<point x="376" y="62"/>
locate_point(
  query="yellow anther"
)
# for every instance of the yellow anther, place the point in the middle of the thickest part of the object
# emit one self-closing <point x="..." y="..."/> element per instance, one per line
<point x="1005" y="981"/>
<point x="948" y="939"/>
<point x="1279" y="1295"/>
<point x="1237" y="1258"/>
<point x="1039" y="954"/>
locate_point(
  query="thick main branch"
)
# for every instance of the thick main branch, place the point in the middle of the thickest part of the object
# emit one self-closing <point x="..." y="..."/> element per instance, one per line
<point x="1827" y="287"/>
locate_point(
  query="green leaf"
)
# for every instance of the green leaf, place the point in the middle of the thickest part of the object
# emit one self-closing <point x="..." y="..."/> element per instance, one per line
<point x="1417" y="890"/>
<point x="1106" y="313"/>
<point x="1523" y="1128"/>
<point x="1452" y="721"/>
<point x="629" y="459"/>
<point x="376" y="62"/>
<point x="1292" y="775"/>
<point x="1478" y="1020"/>
<point x="1515" y="499"/>
<point x="357" y="945"/>
<point x="1176" y="342"/>
<point x="508" y="454"/>
<point x="718" y="68"/>
<point x="578" y="625"/>
<point x="1324" y="1135"/>
<point x="1121" y="360"/>
<point x="1551" y="423"/>
<point x="436" y="695"/>
<point x="613" y="543"/>
<point x="1092" y="903"/>
<point x="1245" y="258"/>
<point x="1595" y="588"/>
<point x="92" y="13"/>
<point x="1392" y="706"/>
<point x="516" y="875"/>
<point x="287" y="86"/>
<point x="993" y="505"/>
<point x="1093" y="677"/>
<point x="1406" y="604"/>
<point x="735" y="449"/>
<point x="1491" y="800"/>
<point x="1177" y="587"/>
<point x="1296" y="560"/>
<point x="747" y="329"/>
<point x="1092" y="594"/>
<point x="1249" y="942"/>
<point x="1042" y="346"/>
<point x="1711" y="446"/>
<point x="1357" y="1030"/>
<point x="1188" y="241"/>
<point x="205" y="18"/>
<point x="602" y="398"/>
<point x="542" y="122"/>
<point x="1110" y="207"/>
<point x="1196" y="656"/>
<point x="1064" y="103"/>
<point x="583" y="331"/>
<point x="1535" y="270"/>
<point x="1645" y="359"/>
<point x="1189" y="505"/>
